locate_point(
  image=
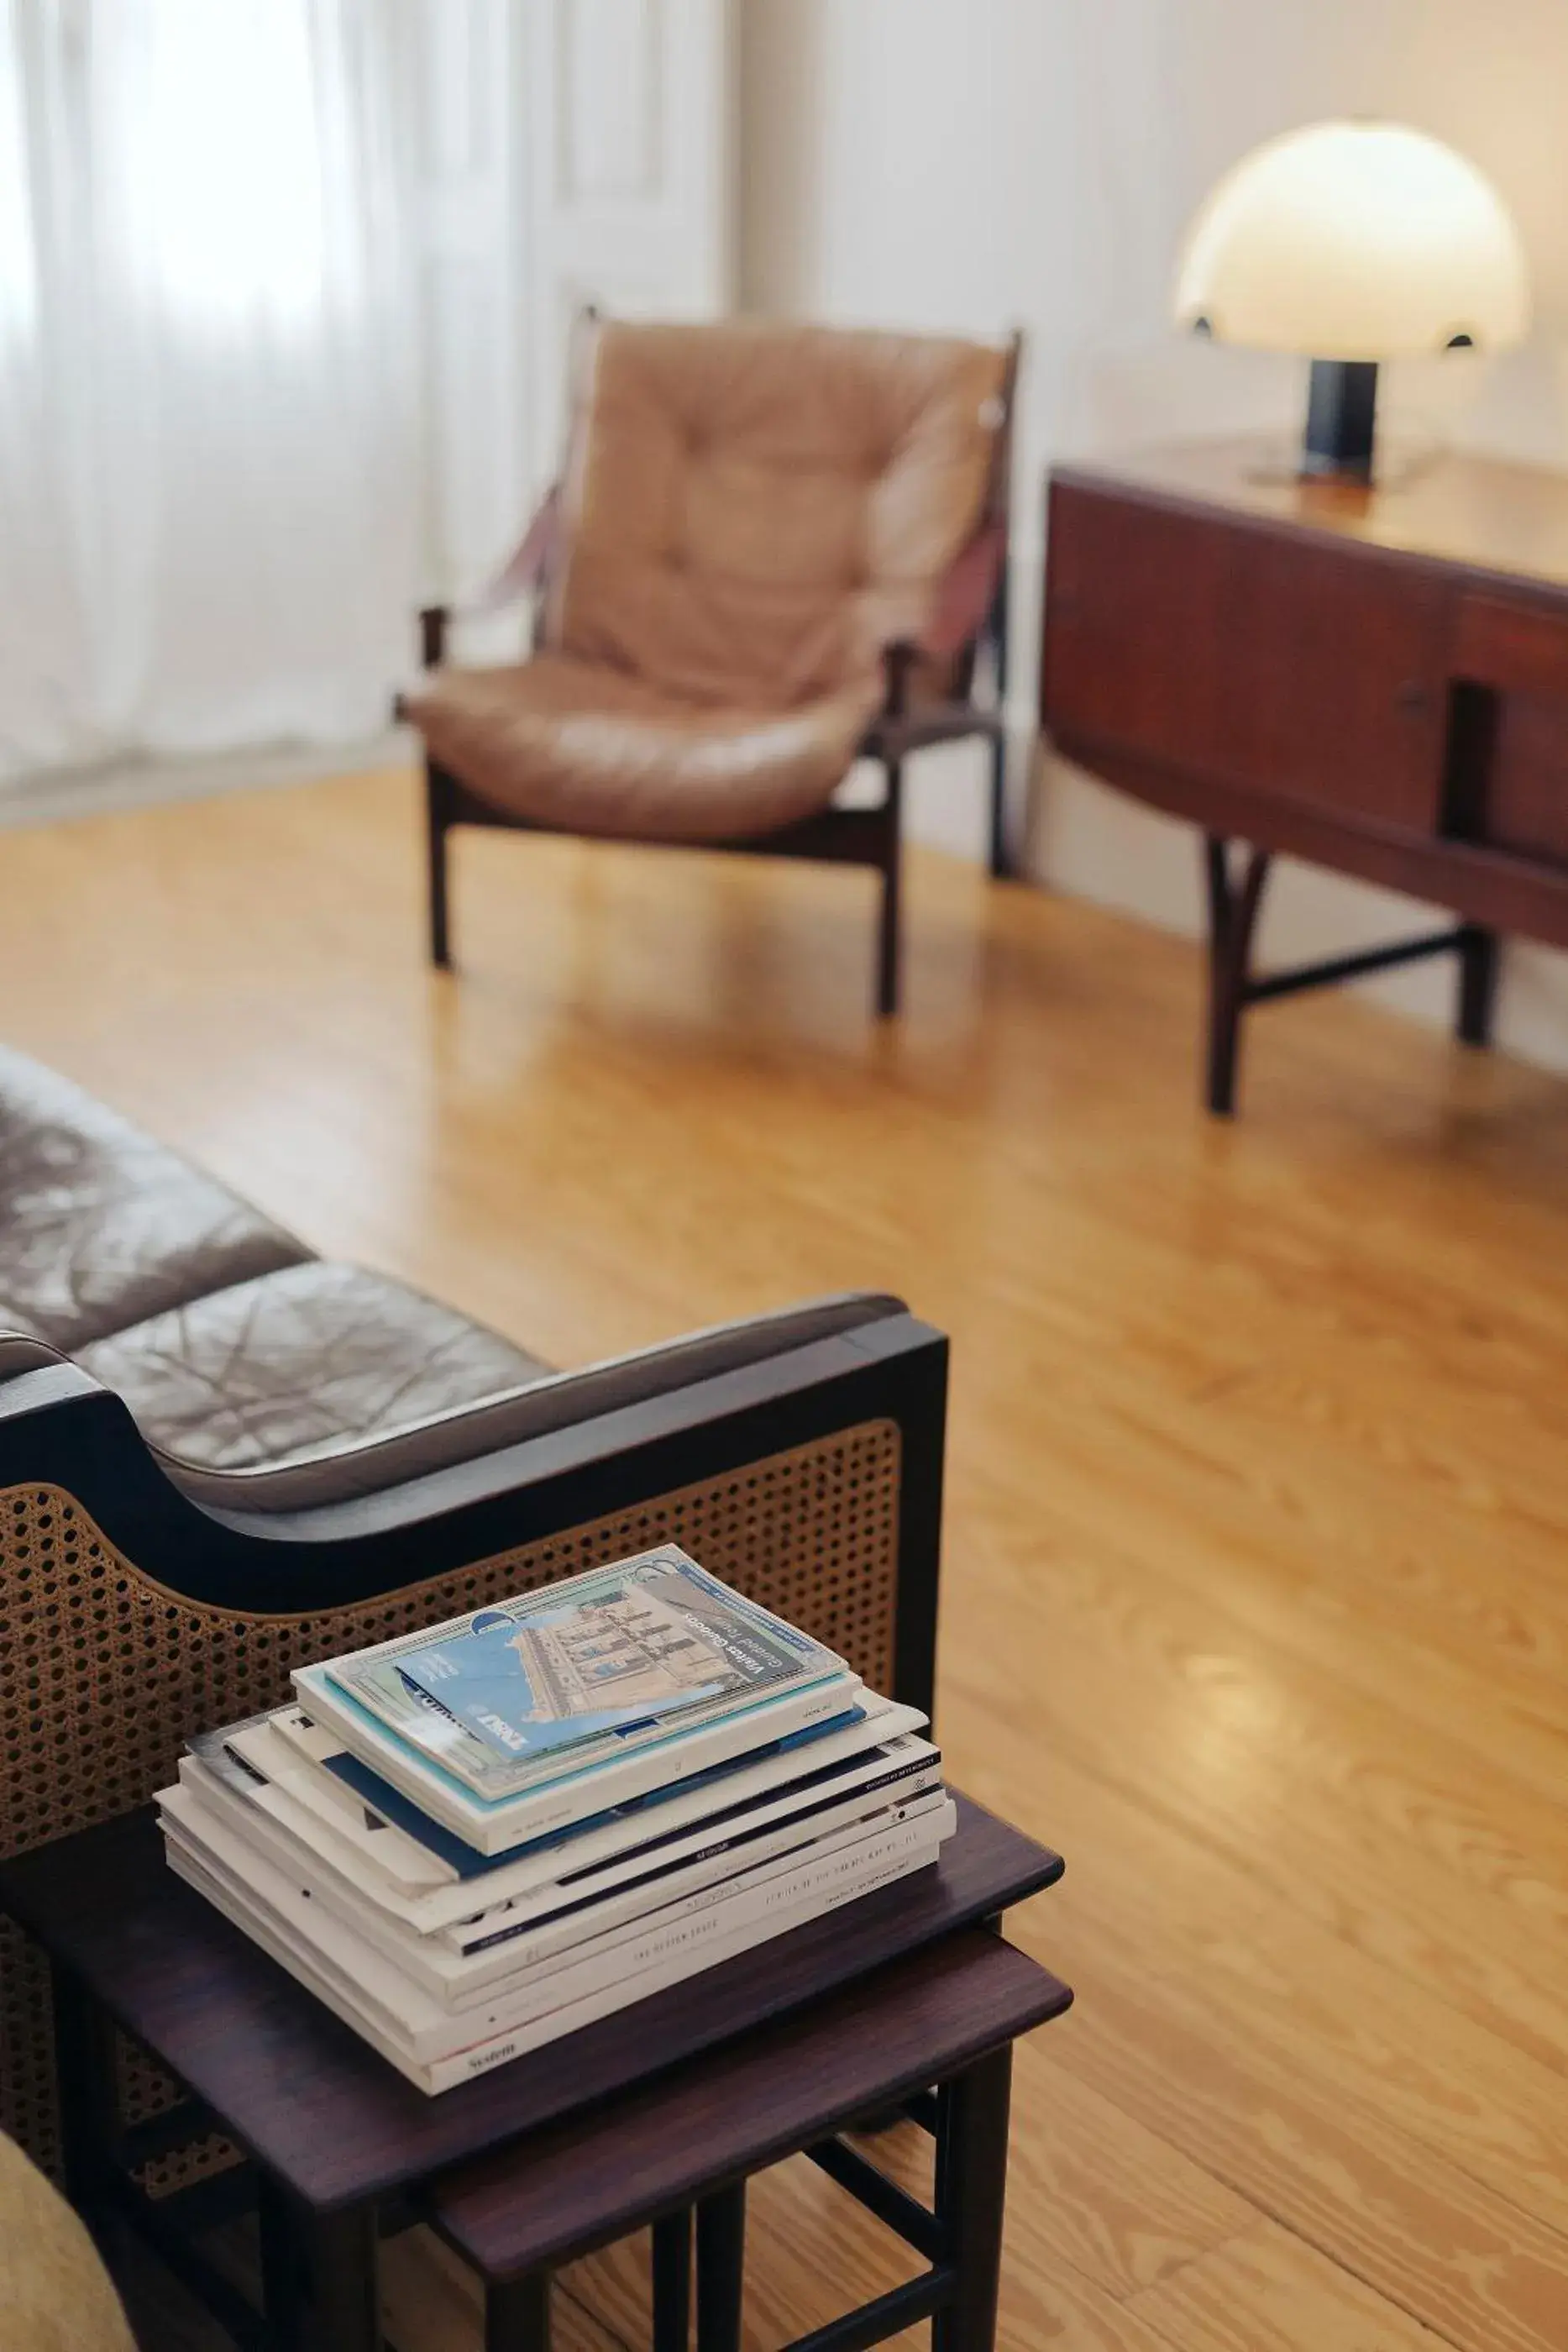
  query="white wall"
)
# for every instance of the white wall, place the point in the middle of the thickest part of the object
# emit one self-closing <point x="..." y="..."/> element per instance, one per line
<point x="974" y="163"/>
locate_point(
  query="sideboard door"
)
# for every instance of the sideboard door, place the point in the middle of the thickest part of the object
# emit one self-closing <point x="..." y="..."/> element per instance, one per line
<point x="1296" y="669"/>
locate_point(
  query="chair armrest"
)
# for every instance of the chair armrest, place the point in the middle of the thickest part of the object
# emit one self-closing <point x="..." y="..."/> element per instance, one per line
<point x="964" y="602"/>
<point x="523" y="573"/>
<point x="518" y="1469"/>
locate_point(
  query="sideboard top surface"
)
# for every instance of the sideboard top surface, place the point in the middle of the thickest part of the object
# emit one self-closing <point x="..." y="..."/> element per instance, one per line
<point x="1483" y="514"/>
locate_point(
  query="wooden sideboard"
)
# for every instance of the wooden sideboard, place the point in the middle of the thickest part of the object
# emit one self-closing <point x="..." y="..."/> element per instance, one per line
<point x="1374" y="680"/>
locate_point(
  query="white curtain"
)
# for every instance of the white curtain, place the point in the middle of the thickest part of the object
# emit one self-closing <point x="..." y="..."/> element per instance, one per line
<point x="208" y="482"/>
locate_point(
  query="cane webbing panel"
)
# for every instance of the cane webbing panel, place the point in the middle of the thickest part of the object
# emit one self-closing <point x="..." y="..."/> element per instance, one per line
<point x="104" y="1673"/>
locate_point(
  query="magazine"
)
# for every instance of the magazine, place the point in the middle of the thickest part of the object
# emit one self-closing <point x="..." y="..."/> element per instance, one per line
<point x="532" y="1952"/>
<point x="506" y="1695"/>
<point x="566" y="1916"/>
<point x="310" y="1768"/>
<point x="494" y="1826"/>
<point x="844" y="1878"/>
<point x="342" y="1836"/>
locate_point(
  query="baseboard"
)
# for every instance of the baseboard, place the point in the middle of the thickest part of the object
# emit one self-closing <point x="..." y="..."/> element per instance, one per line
<point x="64" y="793"/>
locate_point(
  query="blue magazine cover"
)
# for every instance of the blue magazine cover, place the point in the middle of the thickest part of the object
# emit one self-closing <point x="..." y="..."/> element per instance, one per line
<point x="611" y="1656"/>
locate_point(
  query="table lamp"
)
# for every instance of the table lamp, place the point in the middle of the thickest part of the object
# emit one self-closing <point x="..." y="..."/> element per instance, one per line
<point x="1351" y="243"/>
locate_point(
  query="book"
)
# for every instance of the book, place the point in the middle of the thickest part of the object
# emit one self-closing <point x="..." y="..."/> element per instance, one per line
<point x="577" y="1671"/>
<point x="577" y="1924"/>
<point x="493" y="1825"/>
<point x="554" y="1874"/>
<point x="844" y="1878"/>
<point x="286" y="1751"/>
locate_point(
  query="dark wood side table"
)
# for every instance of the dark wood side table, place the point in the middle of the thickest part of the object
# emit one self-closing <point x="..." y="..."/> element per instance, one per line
<point x="340" y="2149"/>
<point x="1374" y="680"/>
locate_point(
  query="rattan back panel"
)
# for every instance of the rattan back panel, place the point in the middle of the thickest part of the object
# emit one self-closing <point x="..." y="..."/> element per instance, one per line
<point x="104" y="1675"/>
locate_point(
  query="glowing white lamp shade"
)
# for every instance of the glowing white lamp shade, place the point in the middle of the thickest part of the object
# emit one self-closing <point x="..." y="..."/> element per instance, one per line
<point x="1352" y="243"/>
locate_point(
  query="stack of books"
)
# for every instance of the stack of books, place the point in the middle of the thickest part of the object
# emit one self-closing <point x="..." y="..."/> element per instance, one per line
<point x="473" y="1840"/>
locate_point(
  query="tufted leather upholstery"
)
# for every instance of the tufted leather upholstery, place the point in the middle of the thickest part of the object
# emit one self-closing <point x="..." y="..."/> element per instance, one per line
<point x="751" y="512"/>
<point x="100" y="1226"/>
<point x="299" y="1364"/>
<point x="262" y="1377"/>
<point x="232" y="1345"/>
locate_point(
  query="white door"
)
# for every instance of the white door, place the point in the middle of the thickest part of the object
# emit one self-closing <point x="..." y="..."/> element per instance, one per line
<point x="630" y="177"/>
<point x="572" y="151"/>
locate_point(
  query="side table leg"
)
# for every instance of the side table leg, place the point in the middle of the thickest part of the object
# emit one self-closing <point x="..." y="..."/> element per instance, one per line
<point x="517" y="2314"/>
<point x="344" y="2311"/>
<point x="89" y="2098"/>
<point x="282" y="2261"/>
<point x="721" y="2269"/>
<point x="673" y="2282"/>
<point x="971" y="2193"/>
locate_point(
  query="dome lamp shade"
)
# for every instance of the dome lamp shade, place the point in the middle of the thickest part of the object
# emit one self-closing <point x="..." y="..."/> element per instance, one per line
<point x="1352" y="243"/>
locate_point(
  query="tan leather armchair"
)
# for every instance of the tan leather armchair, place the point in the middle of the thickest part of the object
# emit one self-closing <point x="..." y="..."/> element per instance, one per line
<point x="774" y="550"/>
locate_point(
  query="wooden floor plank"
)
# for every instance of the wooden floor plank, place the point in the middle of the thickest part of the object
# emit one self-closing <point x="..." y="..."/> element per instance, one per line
<point x="1266" y="2292"/>
<point x="1254" y="1598"/>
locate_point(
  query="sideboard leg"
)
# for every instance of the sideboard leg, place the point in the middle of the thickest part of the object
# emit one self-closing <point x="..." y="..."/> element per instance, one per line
<point x="1481" y="954"/>
<point x="1232" y="918"/>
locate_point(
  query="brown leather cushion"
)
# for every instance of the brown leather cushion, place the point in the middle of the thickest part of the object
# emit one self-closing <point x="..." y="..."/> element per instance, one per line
<point x="298" y="1364"/>
<point x="592" y="750"/>
<point x="100" y="1226"/>
<point x="543" y="1404"/>
<point x="753" y="510"/>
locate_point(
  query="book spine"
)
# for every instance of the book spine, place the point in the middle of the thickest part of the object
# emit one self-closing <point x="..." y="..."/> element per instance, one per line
<point x="731" y="1850"/>
<point x="445" y="2073"/>
<point x="458" y="1981"/>
<point x="399" y="1982"/>
<point x="893" y="1861"/>
<point x="544" y="1955"/>
<point x="527" y="1888"/>
<point x="490" y="1831"/>
<point x="706" y="1921"/>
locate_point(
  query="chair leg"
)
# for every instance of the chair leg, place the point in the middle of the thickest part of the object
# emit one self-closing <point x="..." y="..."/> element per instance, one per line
<point x="1002" y="855"/>
<point x="889" y="938"/>
<point x="438" y="818"/>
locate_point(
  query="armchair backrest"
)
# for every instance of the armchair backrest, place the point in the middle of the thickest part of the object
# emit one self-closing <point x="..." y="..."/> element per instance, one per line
<point x="752" y="510"/>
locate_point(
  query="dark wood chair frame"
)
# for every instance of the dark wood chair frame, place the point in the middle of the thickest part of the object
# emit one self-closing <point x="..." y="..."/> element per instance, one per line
<point x="977" y="620"/>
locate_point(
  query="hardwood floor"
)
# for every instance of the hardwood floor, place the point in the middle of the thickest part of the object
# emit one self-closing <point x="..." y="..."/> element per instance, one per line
<point x="1256" y="1596"/>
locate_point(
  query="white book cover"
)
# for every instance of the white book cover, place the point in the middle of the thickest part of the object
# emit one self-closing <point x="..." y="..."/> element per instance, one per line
<point x="492" y="1827"/>
<point x="915" y="1846"/>
<point x="423" y="2022"/>
<point x="393" y="1868"/>
<point x="584" y="1931"/>
<point x="585" y="1877"/>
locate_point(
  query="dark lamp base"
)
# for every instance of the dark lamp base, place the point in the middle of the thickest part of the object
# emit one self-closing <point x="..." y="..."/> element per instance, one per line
<point x="1342" y="418"/>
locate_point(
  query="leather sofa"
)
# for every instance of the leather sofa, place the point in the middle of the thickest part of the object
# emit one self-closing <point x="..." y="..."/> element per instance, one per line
<point x="220" y="1457"/>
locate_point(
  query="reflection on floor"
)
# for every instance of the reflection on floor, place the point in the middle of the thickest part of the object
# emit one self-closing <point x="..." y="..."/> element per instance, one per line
<point x="1255" y="1599"/>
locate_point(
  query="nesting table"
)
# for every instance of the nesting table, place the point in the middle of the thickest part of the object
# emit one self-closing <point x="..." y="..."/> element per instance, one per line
<point x="907" y="1999"/>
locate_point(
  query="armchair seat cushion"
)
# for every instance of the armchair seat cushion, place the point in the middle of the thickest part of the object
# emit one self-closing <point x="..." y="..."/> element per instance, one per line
<point x="298" y="1365"/>
<point x="101" y="1226"/>
<point x="579" y="746"/>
